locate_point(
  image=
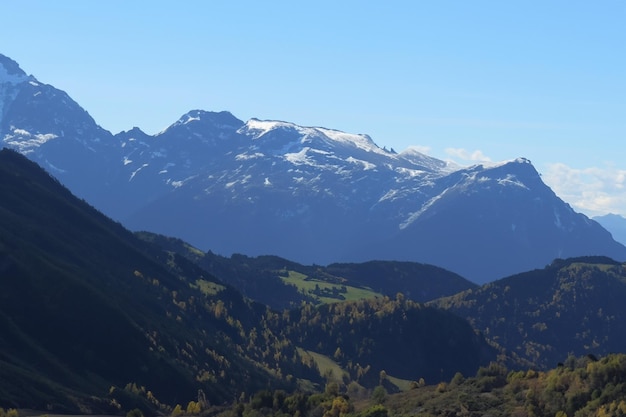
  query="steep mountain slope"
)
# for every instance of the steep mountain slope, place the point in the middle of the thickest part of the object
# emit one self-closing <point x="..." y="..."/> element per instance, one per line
<point x="572" y="306"/>
<point x="505" y="211"/>
<point x="89" y="315"/>
<point x="309" y="194"/>
<point x="84" y="306"/>
<point x="49" y="127"/>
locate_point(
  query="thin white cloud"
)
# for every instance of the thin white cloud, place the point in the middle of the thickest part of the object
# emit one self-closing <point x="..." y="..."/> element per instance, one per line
<point x="464" y="155"/>
<point x="592" y="191"/>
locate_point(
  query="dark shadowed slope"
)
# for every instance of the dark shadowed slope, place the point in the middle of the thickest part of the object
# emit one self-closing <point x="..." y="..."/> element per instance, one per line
<point x="89" y="315"/>
<point x="83" y="306"/>
<point x="574" y="306"/>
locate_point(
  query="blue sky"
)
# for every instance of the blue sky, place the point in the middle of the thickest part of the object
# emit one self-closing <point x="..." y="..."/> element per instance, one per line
<point x="469" y="81"/>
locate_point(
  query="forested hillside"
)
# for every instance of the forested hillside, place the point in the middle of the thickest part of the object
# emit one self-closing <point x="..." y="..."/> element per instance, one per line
<point x="572" y="306"/>
<point x="281" y="283"/>
<point x="85" y="306"/>
<point x="396" y="336"/>
<point x="93" y="319"/>
<point x="581" y="387"/>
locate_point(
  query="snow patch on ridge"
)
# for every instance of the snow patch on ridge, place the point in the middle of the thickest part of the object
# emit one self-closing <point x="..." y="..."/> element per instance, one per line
<point x="511" y="180"/>
<point x="366" y="165"/>
<point x="136" y="171"/>
<point x="389" y="195"/>
<point x="413" y="155"/>
<point x="54" y="168"/>
<point x="414" y="216"/>
<point x="363" y="142"/>
<point x="242" y="181"/>
<point x="191" y="119"/>
<point x="24" y="141"/>
<point x="179" y="183"/>
<point x="315" y="158"/>
<point x="503" y="163"/>
<point x="412" y="173"/>
<point x="298" y="158"/>
<point x="246" y="156"/>
<point x="259" y="128"/>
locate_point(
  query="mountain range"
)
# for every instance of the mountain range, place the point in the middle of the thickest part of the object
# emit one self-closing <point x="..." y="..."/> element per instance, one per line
<point x="94" y="319"/>
<point x="309" y="194"/>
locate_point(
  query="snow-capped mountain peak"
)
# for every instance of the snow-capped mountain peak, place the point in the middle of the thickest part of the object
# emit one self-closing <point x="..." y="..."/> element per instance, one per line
<point x="258" y="129"/>
<point x="200" y="120"/>
<point x="363" y="142"/>
<point x="11" y="79"/>
<point x="509" y="162"/>
<point x="414" y="156"/>
<point x="309" y="194"/>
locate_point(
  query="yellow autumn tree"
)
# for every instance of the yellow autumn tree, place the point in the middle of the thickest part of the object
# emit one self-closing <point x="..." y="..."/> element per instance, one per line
<point x="194" y="408"/>
<point x="177" y="411"/>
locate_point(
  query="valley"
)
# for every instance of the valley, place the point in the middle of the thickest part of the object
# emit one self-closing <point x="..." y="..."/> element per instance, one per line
<point x="261" y="268"/>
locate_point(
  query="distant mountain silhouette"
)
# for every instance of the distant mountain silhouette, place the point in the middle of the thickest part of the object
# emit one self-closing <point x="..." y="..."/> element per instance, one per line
<point x="615" y="224"/>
